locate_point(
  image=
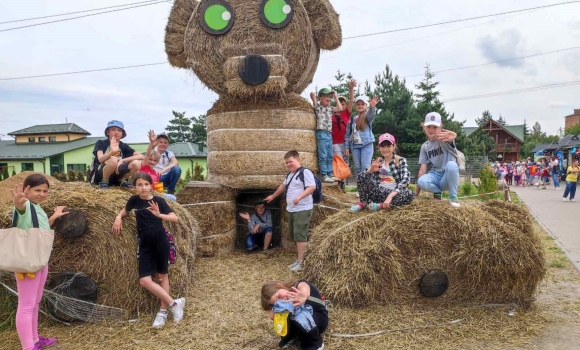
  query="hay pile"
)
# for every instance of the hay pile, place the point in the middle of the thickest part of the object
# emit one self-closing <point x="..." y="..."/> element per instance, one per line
<point x="9" y="183"/>
<point x="377" y="258"/>
<point x="217" y="221"/>
<point x="108" y="259"/>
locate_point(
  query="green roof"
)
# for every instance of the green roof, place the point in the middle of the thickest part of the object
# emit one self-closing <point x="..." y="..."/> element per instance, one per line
<point x="70" y="128"/>
<point x="13" y="150"/>
<point x="516" y="130"/>
<point x="468" y="130"/>
<point x="187" y="150"/>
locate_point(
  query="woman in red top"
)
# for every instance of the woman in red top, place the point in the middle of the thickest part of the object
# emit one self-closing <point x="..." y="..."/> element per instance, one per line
<point x="339" y="123"/>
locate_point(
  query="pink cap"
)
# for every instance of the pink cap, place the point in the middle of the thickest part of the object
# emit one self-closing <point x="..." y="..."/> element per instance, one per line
<point x="387" y="137"/>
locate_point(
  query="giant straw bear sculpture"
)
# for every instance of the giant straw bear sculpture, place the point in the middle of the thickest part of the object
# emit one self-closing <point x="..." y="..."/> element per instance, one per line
<point x="258" y="56"/>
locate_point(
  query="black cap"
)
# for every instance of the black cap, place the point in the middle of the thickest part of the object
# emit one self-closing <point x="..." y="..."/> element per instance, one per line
<point x="162" y="135"/>
<point x="260" y="201"/>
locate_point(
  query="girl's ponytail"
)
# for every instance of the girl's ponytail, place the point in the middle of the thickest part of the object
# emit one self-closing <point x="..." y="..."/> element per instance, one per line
<point x="361" y="121"/>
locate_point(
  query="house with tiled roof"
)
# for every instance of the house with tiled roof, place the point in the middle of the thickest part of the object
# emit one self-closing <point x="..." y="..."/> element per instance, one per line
<point x="56" y="148"/>
<point x="508" y="139"/>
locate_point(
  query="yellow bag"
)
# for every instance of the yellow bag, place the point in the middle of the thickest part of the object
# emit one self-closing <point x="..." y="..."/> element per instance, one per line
<point x="339" y="168"/>
<point x="158" y="187"/>
<point x="281" y="323"/>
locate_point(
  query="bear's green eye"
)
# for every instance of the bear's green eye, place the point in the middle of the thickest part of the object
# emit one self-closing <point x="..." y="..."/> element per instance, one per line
<point x="216" y="16"/>
<point x="276" y="13"/>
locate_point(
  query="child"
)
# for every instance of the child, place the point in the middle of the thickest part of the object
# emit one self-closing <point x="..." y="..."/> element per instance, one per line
<point x="114" y="160"/>
<point x="555" y="167"/>
<point x="571" y="180"/>
<point x="150" y="162"/>
<point x="439" y="151"/>
<point x="339" y="125"/>
<point x="324" y="113"/>
<point x="359" y="134"/>
<point x="153" y="250"/>
<point x="542" y="173"/>
<point x="524" y="173"/>
<point x="384" y="184"/>
<point x="298" y="187"/>
<point x="304" y="296"/>
<point x="259" y="226"/>
<point x="33" y="192"/>
<point x="168" y="167"/>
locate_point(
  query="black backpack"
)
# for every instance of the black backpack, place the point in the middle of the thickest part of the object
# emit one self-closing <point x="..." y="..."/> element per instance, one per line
<point x="316" y="195"/>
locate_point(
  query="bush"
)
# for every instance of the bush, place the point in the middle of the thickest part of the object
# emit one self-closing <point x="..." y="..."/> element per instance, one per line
<point x="13" y="172"/>
<point x="187" y="175"/>
<point x="80" y="176"/>
<point x="487" y="181"/>
<point x="467" y="188"/>
<point x="197" y="173"/>
<point x="5" y="174"/>
<point x="71" y="176"/>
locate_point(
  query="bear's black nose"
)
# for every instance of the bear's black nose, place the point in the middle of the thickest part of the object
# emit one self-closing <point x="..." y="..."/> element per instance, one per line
<point x="254" y="70"/>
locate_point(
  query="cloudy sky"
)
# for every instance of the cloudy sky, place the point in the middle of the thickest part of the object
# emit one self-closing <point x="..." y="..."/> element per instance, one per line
<point x="143" y="98"/>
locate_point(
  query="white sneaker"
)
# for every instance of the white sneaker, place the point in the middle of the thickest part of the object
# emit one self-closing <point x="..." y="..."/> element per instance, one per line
<point x="328" y="179"/>
<point x="293" y="264"/>
<point x="321" y="347"/>
<point x="455" y="204"/>
<point x="177" y="310"/>
<point x="160" y="319"/>
<point x="564" y="199"/>
<point x="357" y="195"/>
<point x="572" y="200"/>
<point x="297" y="267"/>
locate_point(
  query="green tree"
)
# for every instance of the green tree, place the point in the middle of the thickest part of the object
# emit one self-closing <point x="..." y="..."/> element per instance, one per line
<point x="197" y="173"/>
<point x="501" y="121"/>
<point x="5" y="174"/>
<point x="13" y="172"/>
<point x="198" y="129"/>
<point x="341" y="87"/>
<point x="179" y="128"/>
<point x="479" y="143"/>
<point x="573" y="130"/>
<point x="485" y="117"/>
<point x="535" y="138"/>
<point x="526" y="130"/>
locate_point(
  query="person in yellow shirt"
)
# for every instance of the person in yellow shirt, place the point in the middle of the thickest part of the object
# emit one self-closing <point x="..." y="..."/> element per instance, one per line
<point x="571" y="181"/>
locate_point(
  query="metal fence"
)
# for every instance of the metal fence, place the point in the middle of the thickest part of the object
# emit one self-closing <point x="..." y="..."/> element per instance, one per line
<point x="472" y="167"/>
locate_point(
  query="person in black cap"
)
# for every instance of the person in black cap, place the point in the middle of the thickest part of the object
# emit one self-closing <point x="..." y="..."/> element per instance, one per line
<point x="259" y="226"/>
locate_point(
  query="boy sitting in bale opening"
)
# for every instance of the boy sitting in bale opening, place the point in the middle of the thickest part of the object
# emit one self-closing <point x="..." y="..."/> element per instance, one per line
<point x="298" y="187"/>
<point x="324" y="112"/>
<point x="259" y="226"/>
<point x="114" y="161"/>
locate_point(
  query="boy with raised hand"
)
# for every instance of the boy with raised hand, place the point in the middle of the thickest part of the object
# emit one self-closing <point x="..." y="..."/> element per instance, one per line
<point x="114" y="160"/>
<point x="167" y="166"/>
<point x="324" y="112"/>
<point x="259" y="226"/>
<point x="299" y="203"/>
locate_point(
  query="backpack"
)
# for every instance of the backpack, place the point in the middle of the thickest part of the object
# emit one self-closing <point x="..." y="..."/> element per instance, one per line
<point x="316" y="195"/>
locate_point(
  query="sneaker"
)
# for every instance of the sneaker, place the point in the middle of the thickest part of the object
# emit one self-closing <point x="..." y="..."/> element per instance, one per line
<point x="104" y="186"/>
<point x="356" y="208"/>
<point x="328" y="179"/>
<point x="357" y="195"/>
<point x="572" y="200"/>
<point x="564" y="199"/>
<point x="285" y="342"/>
<point x="160" y="319"/>
<point x="297" y="267"/>
<point x="321" y="347"/>
<point x="177" y="310"/>
<point x="374" y="207"/>
<point x="437" y="196"/>
<point x="44" y="343"/>
<point x="126" y="184"/>
<point x="454" y="201"/>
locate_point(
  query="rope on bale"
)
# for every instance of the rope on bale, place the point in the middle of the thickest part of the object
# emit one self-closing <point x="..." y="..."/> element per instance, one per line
<point x="337" y="335"/>
<point x="324" y="206"/>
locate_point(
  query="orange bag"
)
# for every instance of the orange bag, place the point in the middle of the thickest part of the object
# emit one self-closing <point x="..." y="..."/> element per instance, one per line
<point x="340" y="168"/>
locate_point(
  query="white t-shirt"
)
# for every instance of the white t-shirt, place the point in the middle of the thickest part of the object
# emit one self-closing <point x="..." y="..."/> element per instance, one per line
<point x="164" y="160"/>
<point x="295" y="188"/>
<point x="387" y="178"/>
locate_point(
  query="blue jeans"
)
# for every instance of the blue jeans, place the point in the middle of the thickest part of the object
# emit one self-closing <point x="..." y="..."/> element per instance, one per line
<point x="171" y="177"/>
<point x="325" y="153"/>
<point x="362" y="155"/>
<point x="437" y="181"/>
<point x="555" y="178"/>
<point x="570" y="189"/>
<point x="257" y="238"/>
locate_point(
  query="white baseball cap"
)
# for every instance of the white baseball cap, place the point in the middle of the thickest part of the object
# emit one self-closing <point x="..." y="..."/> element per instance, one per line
<point x="433" y="118"/>
<point x="362" y="98"/>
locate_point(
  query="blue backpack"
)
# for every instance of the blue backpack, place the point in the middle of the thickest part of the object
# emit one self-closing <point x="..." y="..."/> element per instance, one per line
<point x="316" y="195"/>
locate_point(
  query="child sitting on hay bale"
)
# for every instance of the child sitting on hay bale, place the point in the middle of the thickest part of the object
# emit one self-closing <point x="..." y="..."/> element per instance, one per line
<point x="309" y="319"/>
<point x="298" y="187"/>
<point x="114" y="161"/>
<point x="384" y="184"/>
<point x="259" y="226"/>
<point x="154" y="247"/>
<point x="324" y="112"/>
<point x="167" y="166"/>
<point x="439" y="150"/>
<point x="150" y="162"/>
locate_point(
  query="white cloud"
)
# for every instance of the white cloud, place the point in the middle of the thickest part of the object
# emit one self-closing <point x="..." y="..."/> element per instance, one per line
<point x="508" y="44"/>
<point x="560" y="104"/>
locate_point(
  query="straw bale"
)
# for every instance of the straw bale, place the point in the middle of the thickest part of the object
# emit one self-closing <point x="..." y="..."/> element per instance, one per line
<point x="9" y="183"/>
<point x="241" y="163"/>
<point x="191" y="195"/>
<point x="328" y="33"/>
<point x="262" y="140"/>
<point x="108" y="259"/>
<point x="378" y="258"/>
<point x="175" y="30"/>
<point x="263" y="119"/>
<point x="273" y="86"/>
<point x="267" y="182"/>
<point x="214" y="219"/>
<point x="216" y="244"/>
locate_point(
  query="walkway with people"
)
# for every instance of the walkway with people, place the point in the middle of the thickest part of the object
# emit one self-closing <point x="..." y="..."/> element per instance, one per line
<point x="557" y="217"/>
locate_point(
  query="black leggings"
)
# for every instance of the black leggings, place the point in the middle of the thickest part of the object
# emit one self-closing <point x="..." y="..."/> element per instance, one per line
<point x="308" y="340"/>
<point x="370" y="192"/>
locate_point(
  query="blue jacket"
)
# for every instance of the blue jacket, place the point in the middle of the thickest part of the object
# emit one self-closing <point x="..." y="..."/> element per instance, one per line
<point x="366" y="135"/>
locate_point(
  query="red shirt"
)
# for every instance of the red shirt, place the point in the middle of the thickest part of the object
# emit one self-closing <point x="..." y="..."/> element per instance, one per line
<point x="339" y="123"/>
<point x="147" y="170"/>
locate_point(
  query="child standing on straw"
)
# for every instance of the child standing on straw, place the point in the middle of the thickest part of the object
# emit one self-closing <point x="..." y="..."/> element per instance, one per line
<point x="324" y="112"/>
<point x="298" y="187"/>
<point x="304" y="298"/>
<point x="359" y="133"/>
<point x="150" y="212"/>
<point x="384" y="184"/>
<point x="339" y="125"/>
<point x="27" y="197"/>
<point x="438" y="151"/>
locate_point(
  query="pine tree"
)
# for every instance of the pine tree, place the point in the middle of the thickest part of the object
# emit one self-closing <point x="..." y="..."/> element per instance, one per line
<point x="485" y="117"/>
<point x="5" y="174"/>
<point x="501" y="121"/>
<point x="198" y="130"/>
<point x="197" y="173"/>
<point x="179" y="128"/>
<point x="526" y="130"/>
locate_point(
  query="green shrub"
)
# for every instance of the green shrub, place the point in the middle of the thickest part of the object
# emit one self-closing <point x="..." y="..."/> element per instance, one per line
<point x="467" y="188"/>
<point x="197" y="173"/>
<point x="487" y="181"/>
<point x="187" y="175"/>
<point x="80" y="176"/>
<point x="5" y="174"/>
<point x="71" y="176"/>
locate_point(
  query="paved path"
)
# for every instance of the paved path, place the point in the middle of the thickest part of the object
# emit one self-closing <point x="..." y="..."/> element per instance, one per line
<point x="560" y="219"/>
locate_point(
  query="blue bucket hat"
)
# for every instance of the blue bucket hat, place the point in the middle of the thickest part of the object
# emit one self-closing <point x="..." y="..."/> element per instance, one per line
<point x="117" y="124"/>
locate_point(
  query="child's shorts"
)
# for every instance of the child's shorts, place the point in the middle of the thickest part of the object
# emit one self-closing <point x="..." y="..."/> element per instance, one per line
<point x="153" y="253"/>
<point x="298" y="224"/>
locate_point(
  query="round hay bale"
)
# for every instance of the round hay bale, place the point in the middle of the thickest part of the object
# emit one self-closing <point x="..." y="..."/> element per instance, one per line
<point x="244" y="113"/>
<point x="216" y="244"/>
<point x="241" y="163"/>
<point x="110" y="259"/>
<point x="74" y="285"/>
<point x="377" y="258"/>
<point x="269" y="140"/>
<point x="248" y="181"/>
<point x="72" y="225"/>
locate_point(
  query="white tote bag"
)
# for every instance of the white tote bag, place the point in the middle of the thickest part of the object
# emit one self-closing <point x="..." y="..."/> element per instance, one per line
<point x="25" y="251"/>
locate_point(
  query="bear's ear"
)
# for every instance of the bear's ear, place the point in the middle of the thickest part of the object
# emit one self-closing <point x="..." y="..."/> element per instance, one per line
<point x="175" y="31"/>
<point x="325" y="24"/>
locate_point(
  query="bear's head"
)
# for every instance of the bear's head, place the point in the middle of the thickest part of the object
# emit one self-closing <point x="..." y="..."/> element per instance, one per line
<point x="249" y="48"/>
